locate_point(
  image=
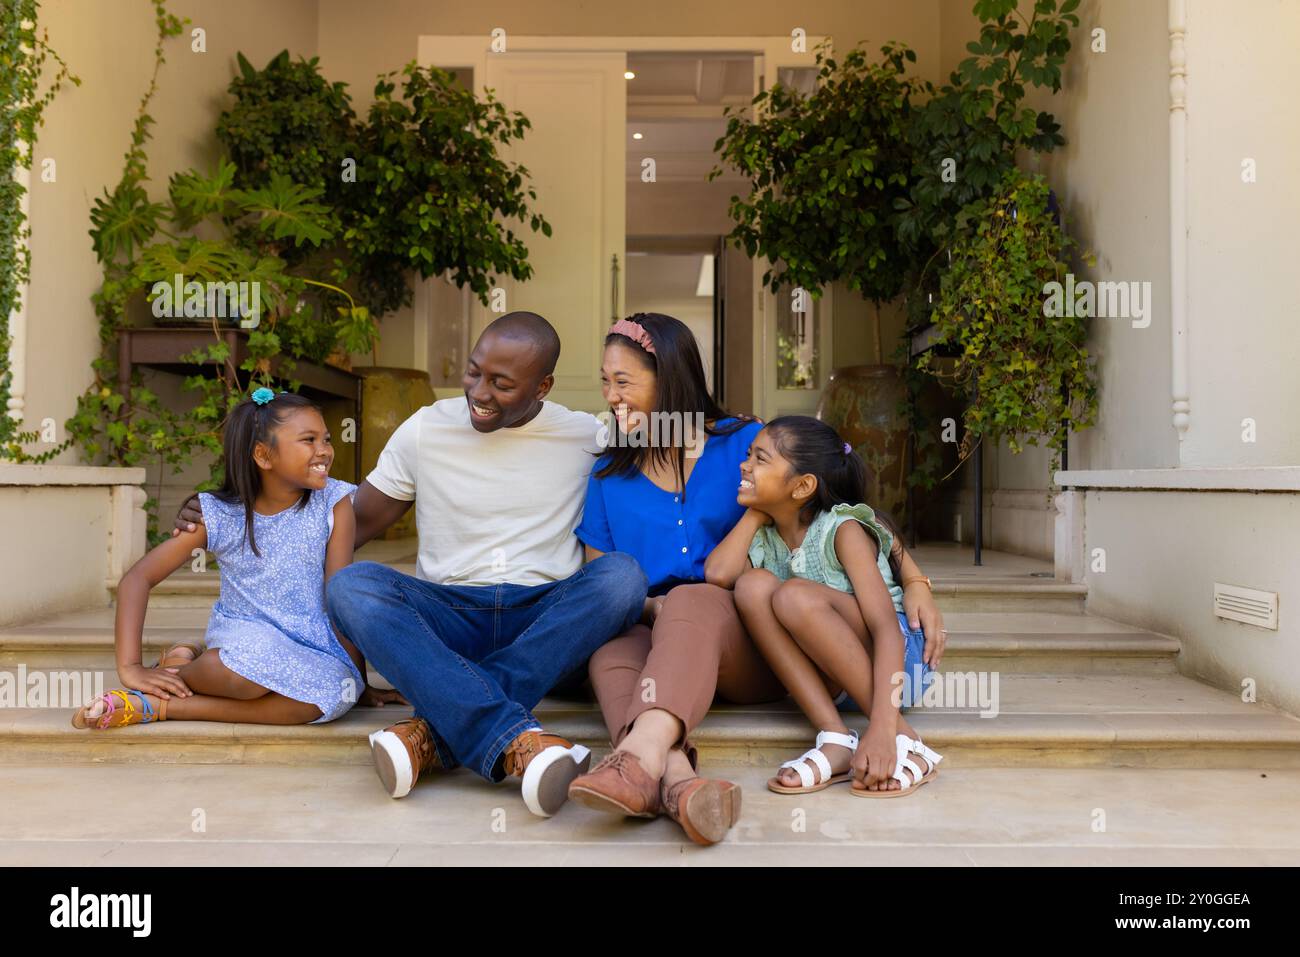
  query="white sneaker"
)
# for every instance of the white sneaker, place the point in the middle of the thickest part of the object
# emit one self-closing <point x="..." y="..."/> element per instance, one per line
<point x="402" y="752"/>
<point x="546" y="764"/>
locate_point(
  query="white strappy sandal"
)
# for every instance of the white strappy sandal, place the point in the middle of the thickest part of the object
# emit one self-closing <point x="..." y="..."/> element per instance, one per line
<point x="906" y="785"/>
<point x="823" y="765"/>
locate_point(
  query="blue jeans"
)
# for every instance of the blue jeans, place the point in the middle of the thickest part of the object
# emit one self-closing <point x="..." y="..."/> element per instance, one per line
<point x="917" y="675"/>
<point x="475" y="660"/>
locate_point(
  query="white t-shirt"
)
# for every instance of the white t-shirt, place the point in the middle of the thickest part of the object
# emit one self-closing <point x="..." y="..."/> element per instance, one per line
<point x="492" y="507"/>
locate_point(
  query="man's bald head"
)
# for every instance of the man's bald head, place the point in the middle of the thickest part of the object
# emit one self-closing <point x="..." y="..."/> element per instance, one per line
<point x="510" y="371"/>
<point x="531" y="328"/>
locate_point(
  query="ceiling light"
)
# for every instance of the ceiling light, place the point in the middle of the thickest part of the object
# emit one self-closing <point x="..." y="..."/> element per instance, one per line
<point x="629" y="75"/>
<point x="636" y="136"/>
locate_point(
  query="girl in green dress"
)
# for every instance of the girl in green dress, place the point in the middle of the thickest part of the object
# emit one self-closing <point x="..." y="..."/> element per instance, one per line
<point x="818" y="585"/>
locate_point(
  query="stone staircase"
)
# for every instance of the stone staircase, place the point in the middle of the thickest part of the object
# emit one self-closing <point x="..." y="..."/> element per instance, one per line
<point x="1075" y="690"/>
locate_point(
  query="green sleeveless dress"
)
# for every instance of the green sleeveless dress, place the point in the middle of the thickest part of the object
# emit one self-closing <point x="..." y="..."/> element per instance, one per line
<point x="815" y="559"/>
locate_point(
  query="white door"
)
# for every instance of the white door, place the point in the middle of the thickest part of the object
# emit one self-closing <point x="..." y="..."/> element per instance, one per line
<point x="577" y="105"/>
<point x="792" y="340"/>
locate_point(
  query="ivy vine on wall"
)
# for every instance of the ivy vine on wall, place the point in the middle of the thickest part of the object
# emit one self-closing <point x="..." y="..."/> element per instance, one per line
<point x="24" y="49"/>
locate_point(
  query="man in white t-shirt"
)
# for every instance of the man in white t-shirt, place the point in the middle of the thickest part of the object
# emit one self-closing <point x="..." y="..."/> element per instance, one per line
<point x="502" y="608"/>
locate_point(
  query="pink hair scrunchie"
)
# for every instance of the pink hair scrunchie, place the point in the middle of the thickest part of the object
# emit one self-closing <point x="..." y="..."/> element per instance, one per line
<point x="633" y="331"/>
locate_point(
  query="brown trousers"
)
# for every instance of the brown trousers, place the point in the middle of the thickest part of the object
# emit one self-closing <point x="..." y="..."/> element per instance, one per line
<point x="698" y="647"/>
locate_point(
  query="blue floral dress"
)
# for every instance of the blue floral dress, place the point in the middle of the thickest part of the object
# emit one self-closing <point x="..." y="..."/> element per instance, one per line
<point x="270" y="621"/>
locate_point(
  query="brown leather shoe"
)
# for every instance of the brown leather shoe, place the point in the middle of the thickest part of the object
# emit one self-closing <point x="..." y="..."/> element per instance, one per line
<point x="546" y="763"/>
<point x="705" y="808"/>
<point x="403" y="752"/>
<point x="619" y="785"/>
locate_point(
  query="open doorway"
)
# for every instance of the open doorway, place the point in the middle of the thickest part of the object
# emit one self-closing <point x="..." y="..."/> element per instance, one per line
<point x="677" y="216"/>
<point x="586" y="98"/>
<point x="678" y="277"/>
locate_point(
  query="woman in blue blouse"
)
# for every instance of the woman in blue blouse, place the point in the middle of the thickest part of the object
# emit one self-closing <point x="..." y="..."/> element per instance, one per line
<point x="665" y="493"/>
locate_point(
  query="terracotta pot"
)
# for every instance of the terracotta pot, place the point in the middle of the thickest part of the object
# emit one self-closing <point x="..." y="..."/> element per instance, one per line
<point x="861" y="404"/>
<point x="388" y="398"/>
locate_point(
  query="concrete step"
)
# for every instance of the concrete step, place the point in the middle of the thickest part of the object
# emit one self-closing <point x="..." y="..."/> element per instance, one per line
<point x="1150" y="721"/>
<point x="985" y="641"/>
<point x="967" y="817"/>
<point x="954" y="592"/>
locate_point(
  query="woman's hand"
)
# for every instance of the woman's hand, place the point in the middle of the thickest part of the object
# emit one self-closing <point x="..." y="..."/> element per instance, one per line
<point x="163" y="682"/>
<point x="373" y="697"/>
<point x="875" y="757"/>
<point x="921" y="610"/>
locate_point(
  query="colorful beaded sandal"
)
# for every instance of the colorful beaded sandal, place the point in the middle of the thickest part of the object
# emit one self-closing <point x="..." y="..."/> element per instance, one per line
<point x="119" y="716"/>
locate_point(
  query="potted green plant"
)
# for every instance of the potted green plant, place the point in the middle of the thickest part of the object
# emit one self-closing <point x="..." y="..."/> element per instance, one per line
<point x="287" y="119"/>
<point x="208" y="231"/>
<point x="433" y="194"/>
<point x="1029" y="374"/>
<point x="827" y="170"/>
<point x="965" y="137"/>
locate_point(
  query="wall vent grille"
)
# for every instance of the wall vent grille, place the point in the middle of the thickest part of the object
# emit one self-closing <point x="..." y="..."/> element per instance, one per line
<point x="1247" y="605"/>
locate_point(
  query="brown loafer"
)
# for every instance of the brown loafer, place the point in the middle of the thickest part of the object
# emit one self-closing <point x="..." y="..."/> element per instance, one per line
<point x="705" y="808"/>
<point x="619" y="785"/>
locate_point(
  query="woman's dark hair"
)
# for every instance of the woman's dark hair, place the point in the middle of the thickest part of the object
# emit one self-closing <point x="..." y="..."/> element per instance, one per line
<point x="248" y="424"/>
<point x="812" y="447"/>
<point x="679" y="387"/>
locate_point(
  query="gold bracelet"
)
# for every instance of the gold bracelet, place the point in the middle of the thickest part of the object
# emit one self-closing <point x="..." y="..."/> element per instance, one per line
<point x="919" y="578"/>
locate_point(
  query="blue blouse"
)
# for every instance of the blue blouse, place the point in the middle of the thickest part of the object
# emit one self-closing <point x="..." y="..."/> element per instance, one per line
<point x="670" y="537"/>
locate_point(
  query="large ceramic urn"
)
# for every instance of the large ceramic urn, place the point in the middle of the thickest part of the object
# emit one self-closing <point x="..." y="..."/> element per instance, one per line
<point x="862" y="404"/>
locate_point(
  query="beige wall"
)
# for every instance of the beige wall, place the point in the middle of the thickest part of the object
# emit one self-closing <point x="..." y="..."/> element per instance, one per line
<point x="44" y="509"/>
<point x="1237" y="538"/>
<point x="87" y="131"/>
<point x="1243" y="347"/>
<point x="679" y="208"/>
<point x="45" y="576"/>
<point x="1112" y="178"/>
<point x="359" y="41"/>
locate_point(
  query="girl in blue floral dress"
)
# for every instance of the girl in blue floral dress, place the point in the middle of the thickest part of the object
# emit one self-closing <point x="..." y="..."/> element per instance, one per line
<point x="280" y="527"/>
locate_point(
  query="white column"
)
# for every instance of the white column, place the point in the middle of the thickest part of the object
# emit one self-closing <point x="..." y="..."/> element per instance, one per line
<point x="1178" y="212"/>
